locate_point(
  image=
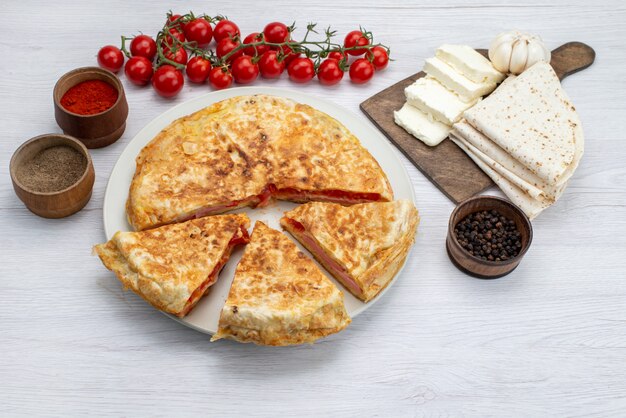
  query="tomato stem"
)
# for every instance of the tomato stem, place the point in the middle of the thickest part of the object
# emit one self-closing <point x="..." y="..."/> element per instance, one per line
<point x="315" y="50"/>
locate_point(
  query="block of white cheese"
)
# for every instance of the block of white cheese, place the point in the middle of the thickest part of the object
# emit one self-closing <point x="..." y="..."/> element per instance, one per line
<point x="467" y="89"/>
<point x="436" y="101"/>
<point x="467" y="61"/>
<point x="417" y="123"/>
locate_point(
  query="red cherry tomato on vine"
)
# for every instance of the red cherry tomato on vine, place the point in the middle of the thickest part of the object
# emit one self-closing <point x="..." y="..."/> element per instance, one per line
<point x="167" y="40"/>
<point x="180" y="56"/>
<point x="244" y="70"/>
<point x="301" y="70"/>
<point x="379" y="57"/>
<point x="168" y="81"/>
<point x="250" y="50"/>
<point x="173" y="18"/>
<point x="198" y="69"/>
<point x="329" y="72"/>
<point x="220" y="78"/>
<point x="225" y="46"/>
<point x="139" y="70"/>
<point x="269" y="65"/>
<point x="336" y="55"/>
<point x="225" y="29"/>
<point x="361" y="71"/>
<point x="288" y="54"/>
<point x="355" y="38"/>
<point x="110" y="58"/>
<point x="199" y="31"/>
<point x="143" y="46"/>
<point x="276" y="32"/>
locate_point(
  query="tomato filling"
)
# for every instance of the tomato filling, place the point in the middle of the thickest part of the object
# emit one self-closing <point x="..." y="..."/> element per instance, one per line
<point x="288" y="193"/>
<point x="337" y="270"/>
<point x="237" y="239"/>
<point x="336" y="196"/>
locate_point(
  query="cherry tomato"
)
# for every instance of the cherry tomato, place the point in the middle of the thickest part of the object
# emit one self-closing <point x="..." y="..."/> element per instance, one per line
<point x="301" y="70"/>
<point x="180" y="56"/>
<point x="143" y="46"/>
<point x="173" y="32"/>
<point x="361" y="71"/>
<point x="250" y="50"/>
<point x="110" y="58"/>
<point x="288" y="54"/>
<point x="269" y="65"/>
<point x="225" y="46"/>
<point x="329" y="72"/>
<point x="244" y="70"/>
<point x="225" y="29"/>
<point x="220" y="78"/>
<point x="138" y="70"/>
<point x="336" y="55"/>
<point x="198" y="69"/>
<point x="175" y="19"/>
<point x="199" y="31"/>
<point x="276" y="32"/>
<point x="355" y="38"/>
<point x="168" y="81"/>
<point x="379" y="57"/>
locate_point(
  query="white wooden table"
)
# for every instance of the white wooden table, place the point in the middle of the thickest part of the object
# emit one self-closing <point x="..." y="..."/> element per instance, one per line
<point x="550" y="339"/>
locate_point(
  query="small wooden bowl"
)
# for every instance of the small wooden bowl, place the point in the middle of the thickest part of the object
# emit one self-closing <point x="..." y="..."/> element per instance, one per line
<point x="95" y="131"/>
<point x="478" y="267"/>
<point x="53" y="204"/>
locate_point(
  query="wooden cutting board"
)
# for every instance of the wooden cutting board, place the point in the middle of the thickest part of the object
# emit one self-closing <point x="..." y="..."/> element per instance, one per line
<point x="449" y="168"/>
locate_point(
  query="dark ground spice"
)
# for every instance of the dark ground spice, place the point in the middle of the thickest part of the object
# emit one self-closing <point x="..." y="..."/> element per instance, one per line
<point x="52" y="169"/>
<point x="489" y="235"/>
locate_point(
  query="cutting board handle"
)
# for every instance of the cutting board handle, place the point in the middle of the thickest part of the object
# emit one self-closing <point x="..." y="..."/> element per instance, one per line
<point x="571" y="57"/>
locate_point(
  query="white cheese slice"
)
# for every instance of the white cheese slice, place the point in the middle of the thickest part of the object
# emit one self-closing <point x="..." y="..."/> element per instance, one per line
<point x="467" y="61"/>
<point x="417" y="123"/>
<point x="467" y="89"/>
<point x="432" y="98"/>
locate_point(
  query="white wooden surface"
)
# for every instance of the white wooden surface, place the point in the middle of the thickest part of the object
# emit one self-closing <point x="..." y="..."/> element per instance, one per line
<point x="550" y="339"/>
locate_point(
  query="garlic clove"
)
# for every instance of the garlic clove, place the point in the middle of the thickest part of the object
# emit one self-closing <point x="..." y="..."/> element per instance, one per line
<point x="508" y="37"/>
<point x="500" y="57"/>
<point x="519" y="56"/>
<point x="536" y="53"/>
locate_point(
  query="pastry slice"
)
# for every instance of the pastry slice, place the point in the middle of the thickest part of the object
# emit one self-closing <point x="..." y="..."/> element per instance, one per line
<point x="173" y="266"/>
<point x="363" y="245"/>
<point x="279" y="296"/>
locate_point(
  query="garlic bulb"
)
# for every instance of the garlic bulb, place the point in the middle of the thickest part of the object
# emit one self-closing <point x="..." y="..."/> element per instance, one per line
<point x="513" y="52"/>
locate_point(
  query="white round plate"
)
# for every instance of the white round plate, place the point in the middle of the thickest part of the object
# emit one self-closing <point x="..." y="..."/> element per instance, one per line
<point x="204" y="317"/>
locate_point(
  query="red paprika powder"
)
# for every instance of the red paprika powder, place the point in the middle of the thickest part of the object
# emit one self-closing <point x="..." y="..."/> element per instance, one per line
<point x="89" y="97"/>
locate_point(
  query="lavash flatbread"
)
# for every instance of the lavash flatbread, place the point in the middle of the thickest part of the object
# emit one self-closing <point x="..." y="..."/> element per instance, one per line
<point x="531" y="207"/>
<point x="533" y="120"/>
<point x="507" y="166"/>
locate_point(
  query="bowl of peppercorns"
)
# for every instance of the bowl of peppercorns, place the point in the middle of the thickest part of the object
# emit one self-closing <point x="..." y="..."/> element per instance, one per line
<point x="488" y="236"/>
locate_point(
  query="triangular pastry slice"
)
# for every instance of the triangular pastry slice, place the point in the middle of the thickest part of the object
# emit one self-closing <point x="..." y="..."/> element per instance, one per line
<point x="173" y="266"/>
<point x="279" y="296"/>
<point x="363" y="246"/>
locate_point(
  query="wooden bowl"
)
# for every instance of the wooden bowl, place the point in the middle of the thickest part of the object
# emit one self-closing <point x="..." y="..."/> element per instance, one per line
<point x="478" y="267"/>
<point x="53" y="204"/>
<point x="95" y="131"/>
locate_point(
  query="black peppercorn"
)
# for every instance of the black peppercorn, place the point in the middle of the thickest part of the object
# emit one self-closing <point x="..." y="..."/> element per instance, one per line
<point x="489" y="235"/>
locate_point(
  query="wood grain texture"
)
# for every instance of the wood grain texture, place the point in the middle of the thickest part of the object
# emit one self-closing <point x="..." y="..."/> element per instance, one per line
<point x="546" y="340"/>
<point x="446" y="165"/>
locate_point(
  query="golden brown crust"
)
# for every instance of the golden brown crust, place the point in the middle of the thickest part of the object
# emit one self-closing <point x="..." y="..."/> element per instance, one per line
<point x="369" y="240"/>
<point x="165" y="265"/>
<point x="234" y="149"/>
<point x="279" y="296"/>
